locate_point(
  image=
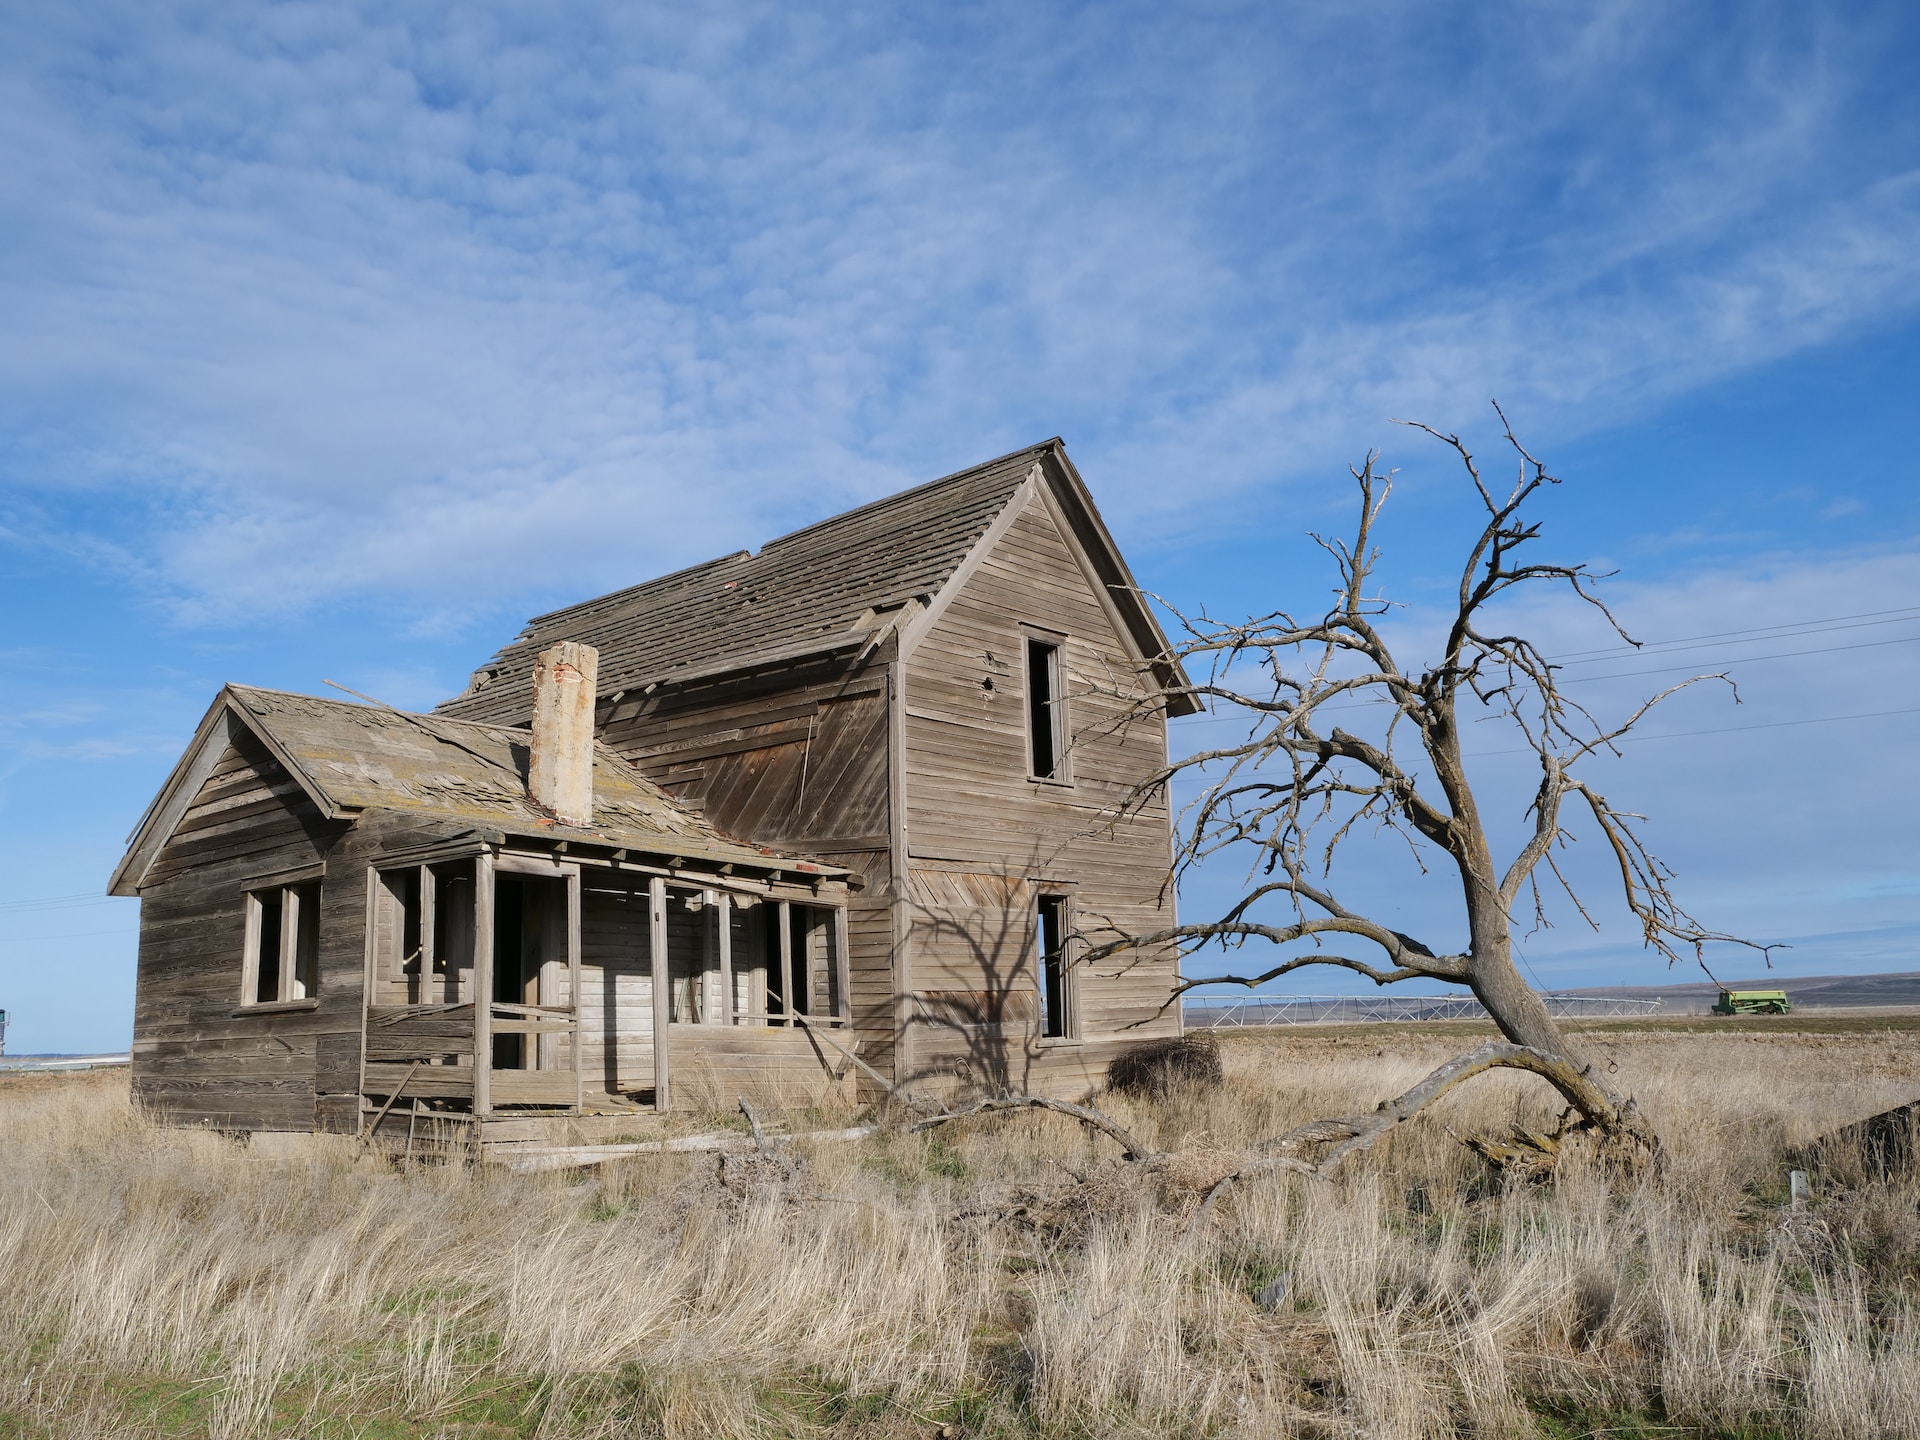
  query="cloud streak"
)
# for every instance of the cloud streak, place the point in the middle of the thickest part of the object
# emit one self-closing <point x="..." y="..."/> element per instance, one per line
<point x="460" y="310"/>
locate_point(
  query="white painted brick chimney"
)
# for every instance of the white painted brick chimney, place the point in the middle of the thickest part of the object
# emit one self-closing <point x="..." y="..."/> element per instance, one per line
<point x="560" y="772"/>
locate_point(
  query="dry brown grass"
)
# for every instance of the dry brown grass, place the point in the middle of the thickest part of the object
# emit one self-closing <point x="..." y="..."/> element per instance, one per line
<point x="161" y="1282"/>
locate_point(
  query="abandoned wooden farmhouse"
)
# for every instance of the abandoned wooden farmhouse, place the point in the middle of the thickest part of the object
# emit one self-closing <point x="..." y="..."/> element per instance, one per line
<point x="849" y="800"/>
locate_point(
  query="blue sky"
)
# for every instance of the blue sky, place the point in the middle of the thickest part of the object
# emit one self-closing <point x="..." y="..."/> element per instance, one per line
<point x="344" y="337"/>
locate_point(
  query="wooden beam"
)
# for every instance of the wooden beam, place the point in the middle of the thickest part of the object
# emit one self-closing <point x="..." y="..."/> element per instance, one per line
<point x="483" y="984"/>
<point x="842" y="964"/>
<point x="813" y="937"/>
<point x="250" y="961"/>
<point x="723" y="922"/>
<point x="427" y="899"/>
<point x="783" y="916"/>
<point x="577" y="1045"/>
<point x="662" y="988"/>
<point x="899" y="911"/>
<point x="289" y="940"/>
<point x="707" y="912"/>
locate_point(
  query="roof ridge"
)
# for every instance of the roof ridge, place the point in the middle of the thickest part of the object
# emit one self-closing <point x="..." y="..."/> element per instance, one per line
<point x="687" y="571"/>
<point x="902" y="495"/>
<point x="797" y="587"/>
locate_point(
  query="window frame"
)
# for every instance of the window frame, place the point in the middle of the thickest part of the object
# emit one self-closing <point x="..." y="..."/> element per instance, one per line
<point x="1055" y="643"/>
<point x="1044" y="965"/>
<point x="299" y="898"/>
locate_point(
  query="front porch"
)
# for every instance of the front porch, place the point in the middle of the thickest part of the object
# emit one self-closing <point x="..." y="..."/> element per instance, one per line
<point x="750" y="996"/>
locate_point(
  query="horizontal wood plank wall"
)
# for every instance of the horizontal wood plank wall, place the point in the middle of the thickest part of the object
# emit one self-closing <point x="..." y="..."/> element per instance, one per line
<point x="985" y="839"/>
<point x="199" y="1057"/>
<point x="713" y="1067"/>
<point x="616" y="983"/>
<point x="795" y="759"/>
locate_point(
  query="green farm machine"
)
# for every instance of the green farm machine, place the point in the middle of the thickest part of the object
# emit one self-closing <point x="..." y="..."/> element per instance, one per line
<point x="1753" y="1002"/>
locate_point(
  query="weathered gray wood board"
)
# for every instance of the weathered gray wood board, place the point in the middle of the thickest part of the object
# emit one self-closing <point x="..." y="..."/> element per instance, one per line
<point x="798" y="759"/>
<point x="985" y="839"/>
<point x="199" y="1054"/>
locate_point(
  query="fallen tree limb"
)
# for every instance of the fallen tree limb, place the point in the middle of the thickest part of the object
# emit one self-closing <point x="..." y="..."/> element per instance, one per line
<point x="1617" y="1122"/>
<point x="1088" y="1116"/>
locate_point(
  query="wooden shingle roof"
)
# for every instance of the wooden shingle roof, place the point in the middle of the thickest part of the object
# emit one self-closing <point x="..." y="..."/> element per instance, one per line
<point x="351" y="759"/>
<point x="803" y="593"/>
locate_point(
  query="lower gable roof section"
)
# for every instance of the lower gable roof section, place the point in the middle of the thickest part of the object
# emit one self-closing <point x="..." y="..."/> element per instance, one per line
<point x="353" y="758"/>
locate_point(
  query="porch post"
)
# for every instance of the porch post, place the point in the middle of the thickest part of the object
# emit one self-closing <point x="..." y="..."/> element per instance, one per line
<point x="784" y="917"/>
<point x="483" y="983"/>
<point x="661" y="987"/>
<point x="842" y="965"/>
<point x="723" y="917"/>
<point x="573" y="992"/>
<point x="427" y="900"/>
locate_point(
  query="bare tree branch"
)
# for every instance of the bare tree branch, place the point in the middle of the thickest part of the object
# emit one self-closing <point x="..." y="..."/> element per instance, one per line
<point x="1088" y="1116"/>
<point x="1295" y="789"/>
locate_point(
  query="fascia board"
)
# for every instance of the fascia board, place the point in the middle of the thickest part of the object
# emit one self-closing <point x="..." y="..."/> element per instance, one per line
<point x="1093" y="543"/>
<point x="225" y="721"/>
<point x="922" y="624"/>
<point x="322" y="801"/>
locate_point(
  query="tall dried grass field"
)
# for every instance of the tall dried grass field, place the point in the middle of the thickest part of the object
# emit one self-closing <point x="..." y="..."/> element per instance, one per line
<point x="1003" y="1276"/>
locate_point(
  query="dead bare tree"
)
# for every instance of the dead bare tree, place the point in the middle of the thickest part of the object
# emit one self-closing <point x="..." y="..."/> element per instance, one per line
<point x="1296" y="790"/>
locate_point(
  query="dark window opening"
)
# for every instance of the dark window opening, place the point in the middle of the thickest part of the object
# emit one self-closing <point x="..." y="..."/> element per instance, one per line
<point x="266" y="950"/>
<point x="1050" y="939"/>
<point x="791" y="992"/>
<point x="1043" y="708"/>
<point x="808" y="984"/>
<point x="529" y="940"/>
<point x="424" y="932"/>
<point x="799" y="958"/>
<point x="284" y="963"/>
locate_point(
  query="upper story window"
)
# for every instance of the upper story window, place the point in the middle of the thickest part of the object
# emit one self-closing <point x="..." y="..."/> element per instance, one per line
<point x="1046" y="710"/>
<point x="283" y="944"/>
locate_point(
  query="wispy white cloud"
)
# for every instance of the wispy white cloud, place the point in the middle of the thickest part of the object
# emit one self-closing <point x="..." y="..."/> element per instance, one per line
<point x="469" y="305"/>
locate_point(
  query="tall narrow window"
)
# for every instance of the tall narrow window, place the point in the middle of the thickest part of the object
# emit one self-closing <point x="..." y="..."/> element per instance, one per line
<point x="268" y="909"/>
<point x="1043" y="708"/>
<point x="1051" y="966"/>
<point x="283" y="944"/>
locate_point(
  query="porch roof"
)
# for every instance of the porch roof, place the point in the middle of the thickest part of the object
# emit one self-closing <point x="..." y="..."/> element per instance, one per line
<point x="351" y="758"/>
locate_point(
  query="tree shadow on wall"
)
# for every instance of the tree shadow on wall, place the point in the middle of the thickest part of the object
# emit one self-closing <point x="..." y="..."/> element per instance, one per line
<point x="979" y="926"/>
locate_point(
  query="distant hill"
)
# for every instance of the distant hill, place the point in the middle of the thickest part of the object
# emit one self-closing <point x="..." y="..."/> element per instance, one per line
<point x="1822" y="991"/>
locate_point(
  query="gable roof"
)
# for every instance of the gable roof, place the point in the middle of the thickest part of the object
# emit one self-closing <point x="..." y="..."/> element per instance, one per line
<point x="352" y="758"/>
<point x="836" y="585"/>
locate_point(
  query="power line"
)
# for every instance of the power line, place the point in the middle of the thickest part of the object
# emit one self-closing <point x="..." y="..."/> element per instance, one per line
<point x="1723" y="730"/>
<point x="1616" y="675"/>
<point x="58" y="902"/>
<point x="1765" y="631"/>
<point x="1741" y="660"/>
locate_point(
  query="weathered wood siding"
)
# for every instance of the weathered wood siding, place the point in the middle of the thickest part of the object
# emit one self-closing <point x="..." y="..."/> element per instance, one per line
<point x="798" y="760"/>
<point x="199" y="1056"/>
<point x="713" y="1067"/>
<point x="984" y="839"/>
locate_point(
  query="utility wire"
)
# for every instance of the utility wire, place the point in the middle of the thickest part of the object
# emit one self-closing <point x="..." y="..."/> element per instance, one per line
<point x="1802" y="626"/>
<point x="1627" y="674"/>
<point x="1720" y="730"/>
<point x="1741" y="660"/>
<point x="57" y="902"/>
